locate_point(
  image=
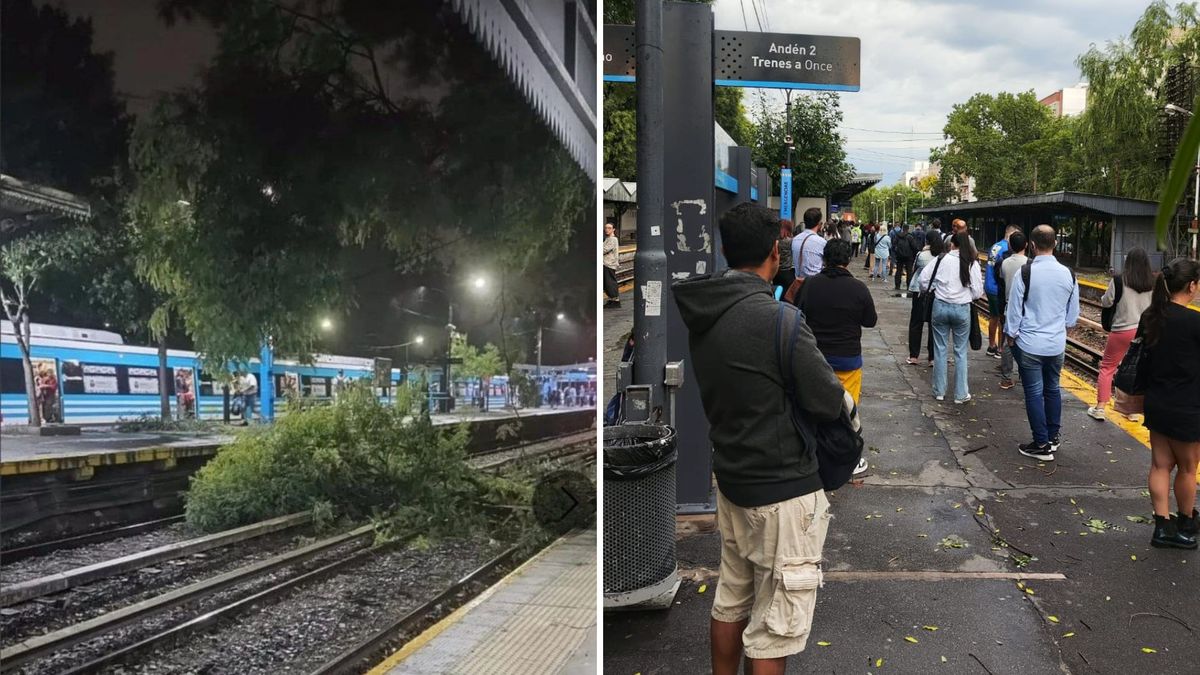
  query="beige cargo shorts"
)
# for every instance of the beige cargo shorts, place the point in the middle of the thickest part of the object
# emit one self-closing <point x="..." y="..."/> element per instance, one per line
<point x="770" y="571"/>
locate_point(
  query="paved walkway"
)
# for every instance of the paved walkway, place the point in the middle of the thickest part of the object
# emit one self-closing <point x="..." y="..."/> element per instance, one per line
<point x="949" y="495"/>
<point x="539" y="619"/>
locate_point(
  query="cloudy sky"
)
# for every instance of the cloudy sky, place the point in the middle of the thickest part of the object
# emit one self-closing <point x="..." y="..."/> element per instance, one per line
<point x="920" y="57"/>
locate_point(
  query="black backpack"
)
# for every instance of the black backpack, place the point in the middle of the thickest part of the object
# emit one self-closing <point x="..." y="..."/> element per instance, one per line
<point x="838" y="444"/>
<point x="904" y="246"/>
<point x="1107" y="314"/>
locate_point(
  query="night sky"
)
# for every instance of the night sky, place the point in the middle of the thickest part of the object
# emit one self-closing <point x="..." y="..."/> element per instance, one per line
<point x="150" y="58"/>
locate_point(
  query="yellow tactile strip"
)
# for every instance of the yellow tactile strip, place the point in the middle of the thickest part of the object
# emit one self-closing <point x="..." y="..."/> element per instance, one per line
<point x="533" y="623"/>
<point x="77" y="461"/>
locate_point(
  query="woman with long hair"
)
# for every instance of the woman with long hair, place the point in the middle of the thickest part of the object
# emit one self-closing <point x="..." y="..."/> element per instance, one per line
<point x="958" y="283"/>
<point x="787" y="271"/>
<point x="934" y="248"/>
<point x="1134" y="283"/>
<point x="1170" y="371"/>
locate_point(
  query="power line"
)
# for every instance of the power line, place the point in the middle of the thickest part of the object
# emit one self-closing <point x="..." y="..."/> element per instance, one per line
<point x="742" y="4"/>
<point x="757" y="20"/>
<point x="892" y="131"/>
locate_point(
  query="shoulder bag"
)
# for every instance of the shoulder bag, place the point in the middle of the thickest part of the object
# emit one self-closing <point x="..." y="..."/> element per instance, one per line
<point x="792" y="294"/>
<point x="927" y="295"/>
<point x="837" y="444"/>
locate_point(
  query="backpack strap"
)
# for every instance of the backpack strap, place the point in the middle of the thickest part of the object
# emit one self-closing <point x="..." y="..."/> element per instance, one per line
<point x="1118" y="287"/>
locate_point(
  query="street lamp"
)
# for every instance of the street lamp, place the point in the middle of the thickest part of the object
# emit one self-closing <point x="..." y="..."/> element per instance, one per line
<point x="1173" y="109"/>
<point x="326" y="324"/>
<point x="541" y="325"/>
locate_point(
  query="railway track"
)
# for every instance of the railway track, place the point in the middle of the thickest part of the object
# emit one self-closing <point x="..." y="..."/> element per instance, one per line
<point x="17" y="553"/>
<point x="146" y="629"/>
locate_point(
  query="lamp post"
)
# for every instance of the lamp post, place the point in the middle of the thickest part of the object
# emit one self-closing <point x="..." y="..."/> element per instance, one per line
<point x="1171" y="108"/>
<point x="478" y="283"/>
<point x="538" y="373"/>
<point x="418" y="340"/>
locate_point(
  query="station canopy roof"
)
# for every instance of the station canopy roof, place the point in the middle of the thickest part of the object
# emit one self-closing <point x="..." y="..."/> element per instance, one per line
<point x="861" y="182"/>
<point x="24" y="204"/>
<point x="1057" y="202"/>
<point x="617" y="190"/>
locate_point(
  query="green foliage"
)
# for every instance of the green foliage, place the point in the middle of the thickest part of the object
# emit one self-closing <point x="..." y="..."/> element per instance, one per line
<point x="877" y="204"/>
<point x="819" y="160"/>
<point x="156" y="423"/>
<point x="360" y="457"/>
<point x="481" y="363"/>
<point x="292" y="149"/>
<point x="1007" y="142"/>
<point x="1177" y="180"/>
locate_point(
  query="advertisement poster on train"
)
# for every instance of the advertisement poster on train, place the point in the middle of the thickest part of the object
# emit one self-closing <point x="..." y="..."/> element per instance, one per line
<point x="143" y="381"/>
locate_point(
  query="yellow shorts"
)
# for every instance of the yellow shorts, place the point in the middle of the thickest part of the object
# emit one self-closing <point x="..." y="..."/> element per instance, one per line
<point x="851" y="382"/>
<point x="770" y="571"/>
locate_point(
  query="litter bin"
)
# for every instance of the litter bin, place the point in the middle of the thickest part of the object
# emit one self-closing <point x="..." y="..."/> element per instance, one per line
<point x="639" y="513"/>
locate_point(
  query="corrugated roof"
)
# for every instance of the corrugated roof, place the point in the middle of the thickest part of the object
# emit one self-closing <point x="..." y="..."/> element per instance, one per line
<point x="1072" y="201"/>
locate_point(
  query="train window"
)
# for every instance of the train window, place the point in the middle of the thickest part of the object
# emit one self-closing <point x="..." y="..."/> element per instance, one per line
<point x="12" y="376"/>
<point x="315" y="386"/>
<point x="142" y="380"/>
<point x="209" y="386"/>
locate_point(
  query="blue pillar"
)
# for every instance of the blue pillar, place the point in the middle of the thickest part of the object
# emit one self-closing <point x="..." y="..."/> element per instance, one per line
<point x="266" y="382"/>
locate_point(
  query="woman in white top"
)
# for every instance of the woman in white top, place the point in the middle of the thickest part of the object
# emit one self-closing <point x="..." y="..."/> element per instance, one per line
<point x="1136" y="282"/>
<point x="958" y="282"/>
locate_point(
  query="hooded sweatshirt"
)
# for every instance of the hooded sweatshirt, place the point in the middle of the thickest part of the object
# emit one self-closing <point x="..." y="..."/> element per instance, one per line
<point x="732" y="322"/>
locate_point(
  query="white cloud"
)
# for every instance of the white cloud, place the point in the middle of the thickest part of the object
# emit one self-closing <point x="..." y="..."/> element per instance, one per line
<point x="920" y="57"/>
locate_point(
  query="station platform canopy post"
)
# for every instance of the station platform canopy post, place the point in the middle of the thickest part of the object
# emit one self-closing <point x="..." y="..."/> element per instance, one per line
<point x="682" y="221"/>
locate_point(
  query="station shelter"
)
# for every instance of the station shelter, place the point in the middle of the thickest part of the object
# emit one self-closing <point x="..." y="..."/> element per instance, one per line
<point x="1094" y="231"/>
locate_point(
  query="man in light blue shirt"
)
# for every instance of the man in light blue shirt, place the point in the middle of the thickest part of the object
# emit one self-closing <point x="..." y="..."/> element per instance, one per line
<point x="808" y="247"/>
<point x="1036" y="327"/>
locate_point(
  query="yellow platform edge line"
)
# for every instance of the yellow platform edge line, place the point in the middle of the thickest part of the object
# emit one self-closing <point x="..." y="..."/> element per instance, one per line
<point x="427" y="636"/>
<point x="51" y="464"/>
<point x="1085" y="392"/>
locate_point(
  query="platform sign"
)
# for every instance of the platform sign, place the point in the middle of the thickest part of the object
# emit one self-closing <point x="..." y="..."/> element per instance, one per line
<point x="786" y="61"/>
<point x="619" y="53"/>
<point x="785" y="194"/>
<point x="758" y="60"/>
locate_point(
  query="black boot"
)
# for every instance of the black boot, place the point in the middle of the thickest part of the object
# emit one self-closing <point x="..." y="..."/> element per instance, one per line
<point x="1188" y="525"/>
<point x="1167" y="535"/>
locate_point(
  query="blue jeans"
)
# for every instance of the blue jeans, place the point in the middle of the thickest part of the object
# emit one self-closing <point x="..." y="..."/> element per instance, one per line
<point x="881" y="266"/>
<point x="950" y="319"/>
<point x="1043" y="399"/>
<point x="248" y="401"/>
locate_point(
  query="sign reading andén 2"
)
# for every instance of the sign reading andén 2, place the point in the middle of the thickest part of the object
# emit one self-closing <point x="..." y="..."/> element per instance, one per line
<point x="763" y="60"/>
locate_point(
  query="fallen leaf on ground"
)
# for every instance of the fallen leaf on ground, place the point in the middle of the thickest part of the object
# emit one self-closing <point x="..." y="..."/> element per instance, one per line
<point x="703" y="587"/>
<point x="823" y="643"/>
<point x="943" y="659"/>
<point x="1149" y="650"/>
<point x="1053" y="619"/>
<point x="878" y="663"/>
<point x="909" y="638"/>
<point x="1137" y="519"/>
<point x="930" y="627"/>
<point x="1067" y="635"/>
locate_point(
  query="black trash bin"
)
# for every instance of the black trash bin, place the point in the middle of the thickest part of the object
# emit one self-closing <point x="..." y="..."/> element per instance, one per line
<point x="639" y="509"/>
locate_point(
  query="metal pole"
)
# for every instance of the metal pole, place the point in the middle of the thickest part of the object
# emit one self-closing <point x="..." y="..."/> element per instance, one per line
<point x="650" y="262"/>
<point x="787" y="125"/>
<point x="446" y="388"/>
<point x="1196" y="207"/>
<point x="541" y="387"/>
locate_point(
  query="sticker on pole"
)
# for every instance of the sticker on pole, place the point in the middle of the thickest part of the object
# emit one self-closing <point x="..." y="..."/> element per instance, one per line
<point x="652" y="295"/>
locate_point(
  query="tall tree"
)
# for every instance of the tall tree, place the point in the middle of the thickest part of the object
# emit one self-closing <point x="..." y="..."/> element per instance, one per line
<point x="325" y="125"/>
<point x="819" y="163"/>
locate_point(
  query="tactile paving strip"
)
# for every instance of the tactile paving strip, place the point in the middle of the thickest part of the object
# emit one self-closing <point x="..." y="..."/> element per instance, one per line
<point x="533" y="624"/>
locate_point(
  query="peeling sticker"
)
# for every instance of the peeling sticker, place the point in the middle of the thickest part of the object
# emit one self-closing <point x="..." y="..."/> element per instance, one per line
<point x="681" y="243"/>
<point x="652" y="294"/>
<point x="678" y="276"/>
<point x="701" y="266"/>
<point x="655" y="230"/>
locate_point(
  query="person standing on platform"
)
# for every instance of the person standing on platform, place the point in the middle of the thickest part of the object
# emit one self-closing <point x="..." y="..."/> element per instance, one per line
<point x="808" y="247"/>
<point x="246" y="385"/>
<point x="1130" y="293"/>
<point x="611" y="261"/>
<point x="918" y="236"/>
<point x="996" y="256"/>
<point x="1013" y="262"/>
<point x="856" y="233"/>
<point x="906" y="251"/>
<point x="787" y="270"/>
<point x="1043" y="303"/>
<point x="934" y="248"/>
<point x="958" y="283"/>
<point x="883" y="248"/>
<point x="771" y="507"/>
<point x="1171" y="331"/>
<point x="869" y="238"/>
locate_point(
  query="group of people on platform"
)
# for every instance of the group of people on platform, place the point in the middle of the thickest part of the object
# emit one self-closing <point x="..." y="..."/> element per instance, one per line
<point x="772" y="510"/>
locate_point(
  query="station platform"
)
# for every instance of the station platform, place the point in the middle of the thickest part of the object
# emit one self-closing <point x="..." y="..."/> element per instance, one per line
<point x="933" y="542"/>
<point x="103" y="446"/>
<point x="541" y="618"/>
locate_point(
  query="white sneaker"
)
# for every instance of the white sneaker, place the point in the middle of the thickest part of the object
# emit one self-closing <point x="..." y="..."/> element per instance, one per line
<point x="939" y="398"/>
<point x="961" y="401"/>
<point x="862" y="466"/>
<point x="1097" y="412"/>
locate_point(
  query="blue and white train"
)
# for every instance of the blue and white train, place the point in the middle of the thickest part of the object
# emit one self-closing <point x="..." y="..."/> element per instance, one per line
<point x="102" y="379"/>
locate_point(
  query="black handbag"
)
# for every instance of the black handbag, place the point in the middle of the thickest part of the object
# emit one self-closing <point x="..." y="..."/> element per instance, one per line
<point x="1131" y="374"/>
<point x="927" y="295"/>
<point x="976" y="334"/>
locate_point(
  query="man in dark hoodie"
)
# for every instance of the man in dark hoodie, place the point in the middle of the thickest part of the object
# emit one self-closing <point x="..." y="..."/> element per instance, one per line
<point x="771" y="509"/>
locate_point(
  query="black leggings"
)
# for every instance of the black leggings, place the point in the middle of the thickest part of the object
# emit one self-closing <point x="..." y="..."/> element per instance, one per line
<point x="916" y="323"/>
